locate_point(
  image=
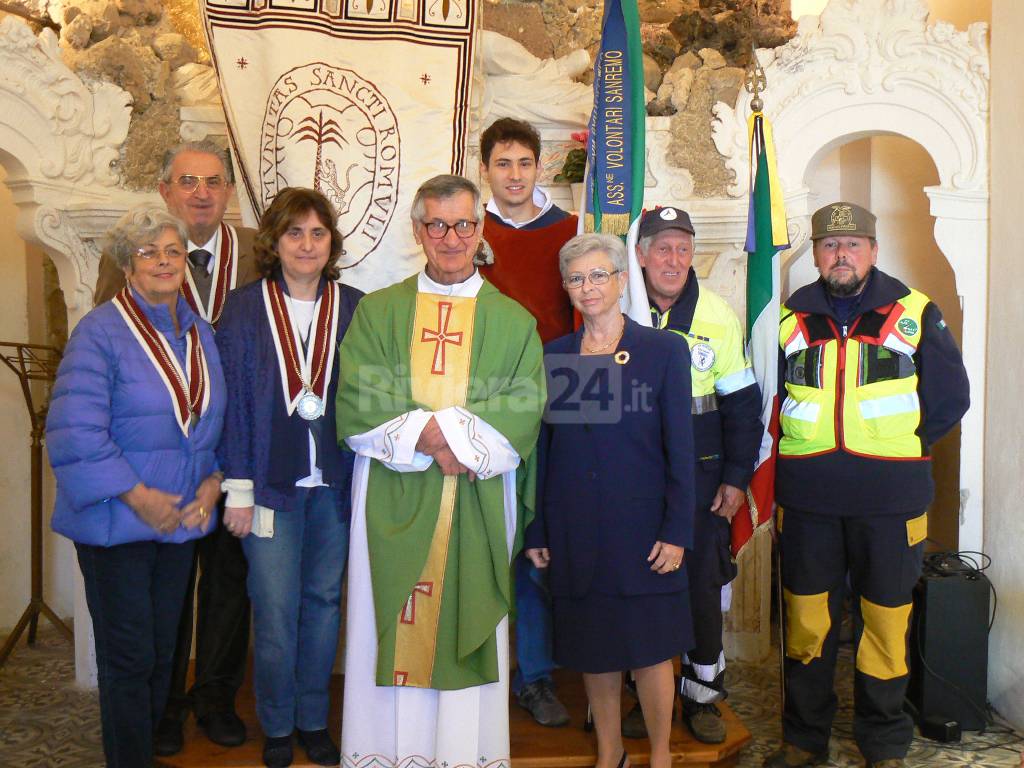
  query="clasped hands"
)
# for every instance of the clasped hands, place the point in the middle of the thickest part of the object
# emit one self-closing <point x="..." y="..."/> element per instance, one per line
<point x="160" y="510"/>
<point x="433" y="443"/>
<point x="664" y="558"/>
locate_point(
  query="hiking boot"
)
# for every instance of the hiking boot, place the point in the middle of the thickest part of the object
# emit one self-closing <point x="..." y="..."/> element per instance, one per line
<point x="789" y="756"/>
<point x="539" y="699"/>
<point x="633" y="725"/>
<point x="704" y="721"/>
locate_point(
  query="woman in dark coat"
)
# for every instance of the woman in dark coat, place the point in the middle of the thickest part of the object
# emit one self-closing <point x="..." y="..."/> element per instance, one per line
<point x="615" y="500"/>
<point x="288" y="482"/>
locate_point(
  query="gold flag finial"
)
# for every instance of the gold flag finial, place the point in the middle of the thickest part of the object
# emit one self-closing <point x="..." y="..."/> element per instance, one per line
<point x="755" y="80"/>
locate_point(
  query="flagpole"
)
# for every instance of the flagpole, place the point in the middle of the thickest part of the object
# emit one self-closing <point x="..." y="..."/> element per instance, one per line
<point x="756" y="81"/>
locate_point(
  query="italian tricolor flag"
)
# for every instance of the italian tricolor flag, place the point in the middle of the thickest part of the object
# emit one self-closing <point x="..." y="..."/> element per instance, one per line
<point x="766" y="238"/>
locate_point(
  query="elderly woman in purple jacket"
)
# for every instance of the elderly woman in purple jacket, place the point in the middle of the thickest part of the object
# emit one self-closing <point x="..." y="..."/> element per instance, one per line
<point x="134" y="423"/>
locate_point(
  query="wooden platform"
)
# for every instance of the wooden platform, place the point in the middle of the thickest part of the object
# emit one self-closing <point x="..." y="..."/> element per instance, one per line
<point x="533" y="746"/>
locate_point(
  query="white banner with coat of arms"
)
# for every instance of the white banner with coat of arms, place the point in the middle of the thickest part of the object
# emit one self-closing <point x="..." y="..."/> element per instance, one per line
<point x="362" y="100"/>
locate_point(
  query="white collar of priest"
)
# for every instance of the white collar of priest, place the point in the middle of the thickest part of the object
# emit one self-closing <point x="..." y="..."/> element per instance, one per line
<point x="540" y="198"/>
<point x="211" y="246"/>
<point x="468" y="288"/>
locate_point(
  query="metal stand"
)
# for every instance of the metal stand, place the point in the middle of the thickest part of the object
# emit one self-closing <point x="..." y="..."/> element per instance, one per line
<point x="34" y="362"/>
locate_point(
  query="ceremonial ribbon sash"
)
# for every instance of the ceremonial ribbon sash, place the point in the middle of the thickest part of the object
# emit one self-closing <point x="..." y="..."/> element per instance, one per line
<point x="615" y="148"/>
<point x="302" y="371"/>
<point x="225" y="274"/>
<point x="188" y="405"/>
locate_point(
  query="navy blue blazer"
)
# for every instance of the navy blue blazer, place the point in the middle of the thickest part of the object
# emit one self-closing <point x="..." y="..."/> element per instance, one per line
<point x="260" y="441"/>
<point x="616" y="464"/>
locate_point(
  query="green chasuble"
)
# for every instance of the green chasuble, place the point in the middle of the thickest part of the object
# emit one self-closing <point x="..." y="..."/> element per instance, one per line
<point x="403" y="509"/>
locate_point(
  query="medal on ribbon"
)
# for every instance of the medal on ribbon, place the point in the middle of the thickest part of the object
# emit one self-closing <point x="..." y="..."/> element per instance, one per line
<point x="190" y="395"/>
<point x="305" y="375"/>
<point x="225" y="273"/>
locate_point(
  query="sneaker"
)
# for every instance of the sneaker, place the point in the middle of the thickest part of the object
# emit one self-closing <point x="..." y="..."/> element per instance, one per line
<point x="704" y="722"/>
<point x="633" y="725"/>
<point x="789" y="756"/>
<point x="539" y="699"/>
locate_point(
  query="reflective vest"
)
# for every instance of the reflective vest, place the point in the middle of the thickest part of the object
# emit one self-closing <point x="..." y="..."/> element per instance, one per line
<point x="855" y="387"/>
<point x="718" y="360"/>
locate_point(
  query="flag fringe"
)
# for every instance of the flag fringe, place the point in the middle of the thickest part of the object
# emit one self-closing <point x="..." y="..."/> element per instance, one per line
<point x="615" y="223"/>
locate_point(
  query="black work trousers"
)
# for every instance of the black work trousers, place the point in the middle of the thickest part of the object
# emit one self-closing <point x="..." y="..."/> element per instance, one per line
<point x="709" y="567"/>
<point x="222" y="629"/>
<point x="881" y="556"/>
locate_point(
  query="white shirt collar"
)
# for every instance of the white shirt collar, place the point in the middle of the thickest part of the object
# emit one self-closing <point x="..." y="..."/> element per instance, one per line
<point x="540" y="198"/>
<point x="468" y="288"/>
<point x="212" y="246"/>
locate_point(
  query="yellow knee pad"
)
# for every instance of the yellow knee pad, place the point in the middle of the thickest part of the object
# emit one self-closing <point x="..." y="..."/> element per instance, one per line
<point x="807" y="625"/>
<point x="882" y="652"/>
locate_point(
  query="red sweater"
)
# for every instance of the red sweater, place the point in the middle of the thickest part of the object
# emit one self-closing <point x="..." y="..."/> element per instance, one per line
<point x="525" y="268"/>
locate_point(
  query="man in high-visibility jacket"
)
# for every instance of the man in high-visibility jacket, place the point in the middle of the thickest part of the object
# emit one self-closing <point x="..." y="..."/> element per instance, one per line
<point x="726" y="407"/>
<point x="870" y="377"/>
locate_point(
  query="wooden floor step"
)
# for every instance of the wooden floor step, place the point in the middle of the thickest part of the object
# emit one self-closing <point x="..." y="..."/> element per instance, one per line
<point x="533" y="746"/>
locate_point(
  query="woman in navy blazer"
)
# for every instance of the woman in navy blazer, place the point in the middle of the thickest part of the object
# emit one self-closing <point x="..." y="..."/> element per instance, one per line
<point x="615" y="499"/>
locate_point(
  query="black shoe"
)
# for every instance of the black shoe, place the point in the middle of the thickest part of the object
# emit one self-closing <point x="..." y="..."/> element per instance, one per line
<point x="168" y="739"/>
<point x="223" y="727"/>
<point x="277" y="751"/>
<point x="319" y="747"/>
<point x="538" y="698"/>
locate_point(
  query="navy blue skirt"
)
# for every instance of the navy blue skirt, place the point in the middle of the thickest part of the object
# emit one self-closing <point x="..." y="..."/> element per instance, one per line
<point x="612" y="633"/>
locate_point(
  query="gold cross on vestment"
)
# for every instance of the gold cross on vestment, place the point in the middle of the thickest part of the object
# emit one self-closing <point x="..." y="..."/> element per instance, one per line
<point x="441" y="337"/>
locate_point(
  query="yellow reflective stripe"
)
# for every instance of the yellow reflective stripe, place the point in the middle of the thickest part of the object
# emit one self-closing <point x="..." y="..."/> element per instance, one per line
<point x="807" y="625"/>
<point x="882" y="652"/>
<point x="802" y="411"/>
<point x="735" y="382"/>
<point x="890" y="405"/>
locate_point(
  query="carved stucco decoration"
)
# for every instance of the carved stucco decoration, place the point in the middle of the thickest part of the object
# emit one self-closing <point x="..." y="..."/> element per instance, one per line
<point x="67" y="129"/>
<point x="880" y="54"/>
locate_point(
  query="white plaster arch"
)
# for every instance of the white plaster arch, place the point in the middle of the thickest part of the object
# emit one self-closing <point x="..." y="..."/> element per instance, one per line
<point x="870" y="67"/>
<point x="60" y="141"/>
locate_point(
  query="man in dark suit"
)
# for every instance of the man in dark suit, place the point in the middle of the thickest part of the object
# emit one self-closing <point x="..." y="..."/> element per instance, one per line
<point x="196" y="183"/>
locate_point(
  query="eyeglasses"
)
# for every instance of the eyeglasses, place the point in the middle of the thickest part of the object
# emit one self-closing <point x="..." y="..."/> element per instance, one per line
<point x="171" y="252"/>
<point x="438" y="230"/>
<point x="190" y="182"/>
<point x="596" y="276"/>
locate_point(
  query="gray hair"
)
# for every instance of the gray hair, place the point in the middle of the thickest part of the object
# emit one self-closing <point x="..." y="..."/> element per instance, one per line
<point x="592" y="242"/>
<point x="644" y="243"/>
<point x="140" y="225"/>
<point x="206" y="147"/>
<point x="441" y="188"/>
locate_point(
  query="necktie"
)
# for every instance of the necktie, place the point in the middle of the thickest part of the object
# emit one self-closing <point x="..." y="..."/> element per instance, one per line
<point x="200" y="259"/>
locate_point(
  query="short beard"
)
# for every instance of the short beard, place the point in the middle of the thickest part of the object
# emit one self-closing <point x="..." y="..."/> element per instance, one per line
<point x="844" y="290"/>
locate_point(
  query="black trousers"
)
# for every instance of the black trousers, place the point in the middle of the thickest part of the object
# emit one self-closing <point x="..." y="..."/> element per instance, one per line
<point x="881" y="556"/>
<point x="709" y="567"/>
<point x="222" y="629"/>
<point x="135" y="593"/>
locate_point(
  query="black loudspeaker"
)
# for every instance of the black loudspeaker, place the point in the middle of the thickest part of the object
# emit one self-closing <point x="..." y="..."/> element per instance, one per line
<point x="949" y="644"/>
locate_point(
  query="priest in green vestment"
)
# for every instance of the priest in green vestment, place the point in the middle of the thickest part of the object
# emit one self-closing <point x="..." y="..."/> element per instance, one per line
<point x="440" y="396"/>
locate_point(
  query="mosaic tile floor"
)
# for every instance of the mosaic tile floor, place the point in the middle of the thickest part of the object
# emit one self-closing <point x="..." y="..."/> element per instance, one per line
<point x="45" y="721"/>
